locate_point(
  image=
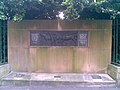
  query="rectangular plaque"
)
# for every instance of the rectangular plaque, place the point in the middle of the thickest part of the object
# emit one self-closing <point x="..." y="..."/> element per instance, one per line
<point x="82" y="38"/>
<point x="58" y="38"/>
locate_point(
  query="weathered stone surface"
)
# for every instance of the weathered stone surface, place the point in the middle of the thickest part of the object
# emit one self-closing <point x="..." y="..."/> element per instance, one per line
<point x="63" y="59"/>
<point x="56" y="79"/>
<point x="4" y="70"/>
<point x="114" y="71"/>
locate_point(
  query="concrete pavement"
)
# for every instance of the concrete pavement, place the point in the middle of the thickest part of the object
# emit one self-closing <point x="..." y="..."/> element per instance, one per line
<point x="54" y="88"/>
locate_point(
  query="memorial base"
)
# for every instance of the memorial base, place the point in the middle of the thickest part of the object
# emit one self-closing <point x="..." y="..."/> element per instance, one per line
<point x="114" y="71"/>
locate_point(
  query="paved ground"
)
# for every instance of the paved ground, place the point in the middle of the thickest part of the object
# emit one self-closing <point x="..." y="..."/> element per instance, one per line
<point x="54" y="88"/>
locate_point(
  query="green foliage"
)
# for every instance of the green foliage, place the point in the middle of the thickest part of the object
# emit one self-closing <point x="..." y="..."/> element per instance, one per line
<point x="16" y="9"/>
<point x="2" y="7"/>
<point x="108" y="6"/>
<point x="49" y="9"/>
<point x="41" y="9"/>
<point x="74" y="8"/>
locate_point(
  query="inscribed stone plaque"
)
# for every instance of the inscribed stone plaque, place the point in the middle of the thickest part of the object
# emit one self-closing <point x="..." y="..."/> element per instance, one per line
<point x="58" y="38"/>
<point x="82" y="38"/>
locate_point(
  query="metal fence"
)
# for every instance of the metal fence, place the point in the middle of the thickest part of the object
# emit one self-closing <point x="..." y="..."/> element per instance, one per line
<point x="116" y="42"/>
<point x="3" y="42"/>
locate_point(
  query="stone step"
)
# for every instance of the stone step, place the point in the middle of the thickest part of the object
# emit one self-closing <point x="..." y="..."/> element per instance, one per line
<point x="57" y="79"/>
<point x="54" y="84"/>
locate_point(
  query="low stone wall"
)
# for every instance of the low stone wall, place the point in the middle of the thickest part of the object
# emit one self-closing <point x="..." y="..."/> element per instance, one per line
<point x="4" y="70"/>
<point x="114" y="71"/>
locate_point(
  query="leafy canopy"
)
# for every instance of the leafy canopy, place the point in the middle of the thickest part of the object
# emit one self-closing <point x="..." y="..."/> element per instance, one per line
<point x="111" y="7"/>
<point x="49" y="9"/>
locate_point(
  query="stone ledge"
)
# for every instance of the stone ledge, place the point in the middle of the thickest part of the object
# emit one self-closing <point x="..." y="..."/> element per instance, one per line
<point x="114" y="71"/>
<point x="4" y="70"/>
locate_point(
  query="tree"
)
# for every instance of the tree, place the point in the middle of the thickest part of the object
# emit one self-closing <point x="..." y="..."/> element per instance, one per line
<point x="74" y="8"/>
<point x="28" y="9"/>
<point x="49" y="9"/>
<point x="112" y="7"/>
<point x="40" y="9"/>
<point x="81" y="9"/>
